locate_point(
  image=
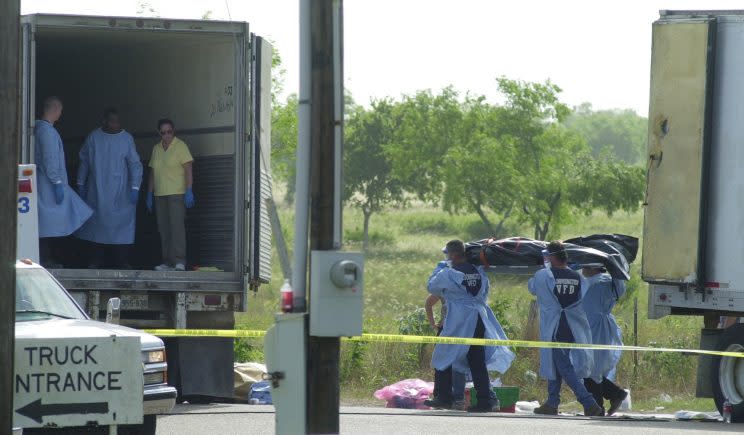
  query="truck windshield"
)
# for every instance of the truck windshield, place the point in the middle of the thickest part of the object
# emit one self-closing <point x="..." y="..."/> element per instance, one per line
<point x="39" y="296"/>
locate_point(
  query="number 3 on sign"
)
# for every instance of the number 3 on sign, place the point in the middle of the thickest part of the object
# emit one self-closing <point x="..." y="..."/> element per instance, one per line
<point x="24" y="204"/>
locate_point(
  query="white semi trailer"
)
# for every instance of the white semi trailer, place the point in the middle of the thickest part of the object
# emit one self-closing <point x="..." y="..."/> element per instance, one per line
<point x="213" y="79"/>
<point x="693" y="239"/>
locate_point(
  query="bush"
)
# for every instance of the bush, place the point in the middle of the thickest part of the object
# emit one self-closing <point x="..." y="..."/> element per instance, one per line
<point x="414" y="323"/>
<point x="244" y="351"/>
<point x="500" y="308"/>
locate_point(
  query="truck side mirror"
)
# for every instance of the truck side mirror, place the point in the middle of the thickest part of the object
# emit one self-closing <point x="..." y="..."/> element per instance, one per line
<point x="113" y="311"/>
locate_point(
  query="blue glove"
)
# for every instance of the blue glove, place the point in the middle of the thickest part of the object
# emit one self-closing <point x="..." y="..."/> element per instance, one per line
<point x="188" y="198"/>
<point x="59" y="193"/>
<point x="148" y="201"/>
<point x="134" y="195"/>
<point x="82" y="191"/>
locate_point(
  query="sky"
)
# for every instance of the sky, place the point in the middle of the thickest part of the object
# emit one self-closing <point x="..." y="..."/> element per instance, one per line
<point x="596" y="51"/>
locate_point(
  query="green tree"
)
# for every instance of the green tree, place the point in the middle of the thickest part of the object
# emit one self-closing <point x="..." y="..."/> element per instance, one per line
<point x="547" y="152"/>
<point x="368" y="181"/>
<point x="608" y="185"/>
<point x="284" y="143"/>
<point x="547" y="204"/>
<point x="480" y="170"/>
<point x="427" y="126"/>
<point x="623" y="131"/>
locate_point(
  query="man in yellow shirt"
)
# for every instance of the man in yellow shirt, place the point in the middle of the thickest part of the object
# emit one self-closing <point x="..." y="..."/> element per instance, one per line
<point x="171" y="179"/>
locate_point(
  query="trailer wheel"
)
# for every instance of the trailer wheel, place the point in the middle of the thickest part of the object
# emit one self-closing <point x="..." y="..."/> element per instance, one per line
<point x="727" y="373"/>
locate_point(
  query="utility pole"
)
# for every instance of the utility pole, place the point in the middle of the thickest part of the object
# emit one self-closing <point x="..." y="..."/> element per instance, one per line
<point x="326" y="119"/>
<point x="9" y="140"/>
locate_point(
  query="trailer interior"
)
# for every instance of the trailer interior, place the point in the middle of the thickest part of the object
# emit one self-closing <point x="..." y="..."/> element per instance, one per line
<point x="148" y="75"/>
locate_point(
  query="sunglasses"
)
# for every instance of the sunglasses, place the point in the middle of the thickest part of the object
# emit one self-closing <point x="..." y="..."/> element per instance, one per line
<point x="163" y="133"/>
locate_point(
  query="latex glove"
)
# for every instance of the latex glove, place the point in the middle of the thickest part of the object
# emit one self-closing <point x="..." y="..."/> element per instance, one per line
<point x="59" y="193"/>
<point x="82" y="191"/>
<point x="188" y="198"/>
<point x="148" y="201"/>
<point x="134" y="195"/>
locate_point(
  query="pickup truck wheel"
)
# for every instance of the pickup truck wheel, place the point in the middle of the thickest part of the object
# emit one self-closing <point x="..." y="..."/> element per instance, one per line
<point x="727" y="373"/>
<point x="146" y="428"/>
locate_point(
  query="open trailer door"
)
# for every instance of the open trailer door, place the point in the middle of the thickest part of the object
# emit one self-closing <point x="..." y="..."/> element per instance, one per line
<point x="258" y="239"/>
<point x="678" y="146"/>
<point x="28" y="98"/>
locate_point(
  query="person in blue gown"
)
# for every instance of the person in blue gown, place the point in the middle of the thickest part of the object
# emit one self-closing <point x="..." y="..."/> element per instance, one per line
<point x="464" y="288"/>
<point x="61" y="211"/>
<point x="559" y="291"/>
<point x="603" y="294"/>
<point x="109" y="179"/>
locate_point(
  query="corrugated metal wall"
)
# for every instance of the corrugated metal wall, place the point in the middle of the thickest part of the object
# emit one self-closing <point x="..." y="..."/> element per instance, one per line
<point x="210" y="225"/>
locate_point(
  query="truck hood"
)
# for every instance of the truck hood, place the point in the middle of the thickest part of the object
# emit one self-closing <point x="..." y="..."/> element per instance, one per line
<point x="78" y="328"/>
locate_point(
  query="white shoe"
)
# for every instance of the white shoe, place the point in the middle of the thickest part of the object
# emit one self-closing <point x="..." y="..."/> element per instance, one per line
<point x="163" y="268"/>
<point x="180" y="267"/>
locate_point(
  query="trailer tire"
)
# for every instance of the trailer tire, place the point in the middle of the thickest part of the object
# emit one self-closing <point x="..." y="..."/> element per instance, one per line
<point x="727" y="373"/>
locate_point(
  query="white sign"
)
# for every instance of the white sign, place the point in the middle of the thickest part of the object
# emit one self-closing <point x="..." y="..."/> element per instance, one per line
<point x="74" y="381"/>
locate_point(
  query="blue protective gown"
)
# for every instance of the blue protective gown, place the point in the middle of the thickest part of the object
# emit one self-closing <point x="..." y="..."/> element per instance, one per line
<point x="463" y="310"/>
<point x="55" y="220"/>
<point x="541" y="285"/>
<point x="598" y="304"/>
<point x="109" y="168"/>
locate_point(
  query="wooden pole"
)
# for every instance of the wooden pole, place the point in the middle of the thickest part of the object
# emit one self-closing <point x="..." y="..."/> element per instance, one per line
<point x="323" y="352"/>
<point x="9" y="140"/>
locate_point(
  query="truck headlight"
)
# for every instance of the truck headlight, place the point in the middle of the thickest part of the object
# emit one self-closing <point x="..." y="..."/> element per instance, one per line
<point x="154" y="356"/>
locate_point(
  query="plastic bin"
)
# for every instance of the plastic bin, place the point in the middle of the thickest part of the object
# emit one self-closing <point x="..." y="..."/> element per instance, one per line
<point x="508" y="397"/>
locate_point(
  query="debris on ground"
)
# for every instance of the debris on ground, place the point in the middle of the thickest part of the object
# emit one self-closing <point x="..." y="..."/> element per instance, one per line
<point x="244" y="376"/>
<point x="698" y="416"/>
<point x="408" y="394"/>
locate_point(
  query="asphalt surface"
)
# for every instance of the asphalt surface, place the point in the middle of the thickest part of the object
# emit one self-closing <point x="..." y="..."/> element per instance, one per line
<point x="256" y="419"/>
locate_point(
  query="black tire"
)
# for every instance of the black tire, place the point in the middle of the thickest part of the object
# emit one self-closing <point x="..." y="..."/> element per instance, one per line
<point x="723" y="369"/>
<point x="147" y="427"/>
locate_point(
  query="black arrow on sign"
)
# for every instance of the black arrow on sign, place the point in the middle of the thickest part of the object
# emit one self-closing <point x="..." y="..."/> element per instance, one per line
<point x="37" y="411"/>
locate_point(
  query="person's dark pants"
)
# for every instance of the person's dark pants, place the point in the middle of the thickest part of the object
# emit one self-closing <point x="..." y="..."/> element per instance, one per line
<point x="456" y="381"/>
<point x="478" y="369"/>
<point x="477" y="362"/>
<point x="119" y="255"/>
<point x="49" y="251"/>
<point x="170" y="213"/>
<point x="564" y="371"/>
<point x="604" y="390"/>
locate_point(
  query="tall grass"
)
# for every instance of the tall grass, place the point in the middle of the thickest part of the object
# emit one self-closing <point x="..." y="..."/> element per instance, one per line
<point x="405" y="246"/>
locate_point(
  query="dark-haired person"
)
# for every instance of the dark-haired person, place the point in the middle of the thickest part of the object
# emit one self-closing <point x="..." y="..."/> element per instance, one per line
<point x="601" y="297"/>
<point x="559" y="291"/>
<point x="109" y="179"/>
<point x="464" y="288"/>
<point x="61" y="211"/>
<point x="170" y="189"/>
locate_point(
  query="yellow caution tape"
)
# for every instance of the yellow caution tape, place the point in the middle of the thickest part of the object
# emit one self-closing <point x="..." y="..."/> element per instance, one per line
<point x="425" y="339"/>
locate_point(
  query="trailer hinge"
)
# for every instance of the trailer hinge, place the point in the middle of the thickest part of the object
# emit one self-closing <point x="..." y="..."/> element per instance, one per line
<point x="247" y="204"/>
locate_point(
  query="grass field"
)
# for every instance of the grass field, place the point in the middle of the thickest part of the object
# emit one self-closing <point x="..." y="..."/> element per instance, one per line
<point x="405" y="246"/>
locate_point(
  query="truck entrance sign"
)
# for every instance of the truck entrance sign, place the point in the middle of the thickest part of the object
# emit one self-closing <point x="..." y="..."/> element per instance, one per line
<point x="72" y="382"/>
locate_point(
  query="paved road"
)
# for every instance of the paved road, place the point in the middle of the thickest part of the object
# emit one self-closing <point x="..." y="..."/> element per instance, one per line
<point x="227" y="419"/>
